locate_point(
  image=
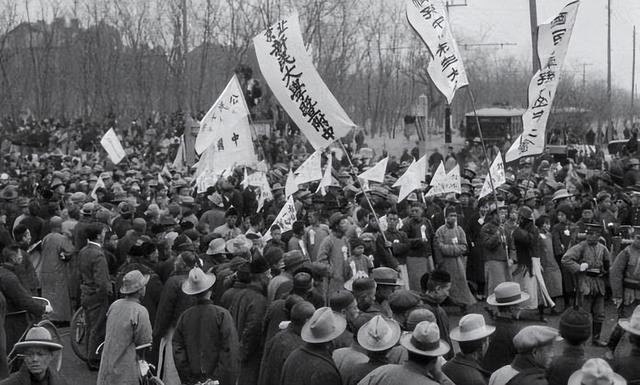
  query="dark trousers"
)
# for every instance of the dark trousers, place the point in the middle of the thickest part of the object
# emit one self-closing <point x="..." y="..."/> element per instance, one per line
<point x="593" y="304"/>
<point x="96" y="317"/>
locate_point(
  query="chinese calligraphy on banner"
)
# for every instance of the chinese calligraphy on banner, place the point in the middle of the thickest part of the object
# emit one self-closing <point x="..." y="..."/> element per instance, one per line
<point x="223" y="116"/>
<point x="553" y="42"/>
<point x="112" y="146"/>
<point x="498" y="177"/>
<point x="445" y="182"/>
<point x="289" y="71"/>
<point x="430" y="20"/>
<point x="284" y="220"/>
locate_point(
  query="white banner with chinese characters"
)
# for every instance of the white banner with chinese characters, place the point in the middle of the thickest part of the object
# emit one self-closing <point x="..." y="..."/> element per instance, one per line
<point x="498" y="177"/>
<point x="553" y="43"/>
<point x="112" y="146"/>
<point x="223" y="116"/>
<point x="445" y="182"/>
<point x="284" y="220"/>
<point x="288" y="69"/>
<point x="430" y="20"/>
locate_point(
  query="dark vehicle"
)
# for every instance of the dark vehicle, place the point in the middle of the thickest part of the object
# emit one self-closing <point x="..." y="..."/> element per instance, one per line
<point x="498" y="124"/>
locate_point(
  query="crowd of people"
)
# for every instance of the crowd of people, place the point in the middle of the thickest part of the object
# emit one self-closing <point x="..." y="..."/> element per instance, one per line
<point x="359" y="290"/>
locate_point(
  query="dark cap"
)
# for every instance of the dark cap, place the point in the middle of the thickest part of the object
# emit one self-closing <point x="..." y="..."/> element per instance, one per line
<point x="340" y="300"/>
<point x="363" y="284"/>
<point x="259" y="266"/>
<point x="575" y="325"/>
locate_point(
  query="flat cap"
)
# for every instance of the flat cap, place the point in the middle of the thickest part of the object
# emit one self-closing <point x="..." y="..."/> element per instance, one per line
<point x="534" y="336"/>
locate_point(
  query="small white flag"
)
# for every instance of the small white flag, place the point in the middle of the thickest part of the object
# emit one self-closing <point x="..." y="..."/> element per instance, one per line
<point x="245" y="182"/>
<point x="442" y="183"/>
<point x="99" y="183"/>
<point x="412" y="178"/>
<point x="291" y="186"/>
<point x="284" y="220"/>
<point x="326" y="180"/>
<point x="179" y="160"/>
<point x="498" y="177"/>
<point x="376" y="173"/>
<point x="112" y="146"/>
<point x="310" y="170"/>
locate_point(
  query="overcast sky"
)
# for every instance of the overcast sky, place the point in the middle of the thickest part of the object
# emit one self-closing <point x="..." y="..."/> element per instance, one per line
<point x="507" y="21"/>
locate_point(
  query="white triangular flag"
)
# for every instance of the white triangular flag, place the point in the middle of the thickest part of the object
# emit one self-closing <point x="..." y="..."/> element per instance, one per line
<point x="245" y="182"/>
<point x="443" y="182"/>
<point x="310" y="169"/>
<point x="376" y="173"/>
<point x="179" y="160"/>
<point x="99" y="183"/>
<point x="112" y="146"/>
<point x="412" y="178"/>
<point x="326" y="180"/>
<point x="291" y="186"/>
<point x="498" y="177"/>
<point x="228" y="110"/>
<point x="437" y="180"/>
<point x="284" y="220"/>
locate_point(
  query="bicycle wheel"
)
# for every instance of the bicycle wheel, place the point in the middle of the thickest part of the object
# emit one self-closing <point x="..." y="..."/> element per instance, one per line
<point x="79" y="335"/>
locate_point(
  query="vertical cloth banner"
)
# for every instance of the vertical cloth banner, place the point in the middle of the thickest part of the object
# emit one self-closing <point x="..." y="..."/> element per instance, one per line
<point x="112" y="146"/>
<point x="430" y="21"/>
<point x="445" y="182"/>
<point x="412" y="178"/>
<point x="553" y="43"/>
<point x="288" y="69"/>
<point x="228" y="110"/>
<point x="376" y="173"/>
<point x="99" y="183"/>
<point x="285" y="218"/>
<point x="498" y="177"/>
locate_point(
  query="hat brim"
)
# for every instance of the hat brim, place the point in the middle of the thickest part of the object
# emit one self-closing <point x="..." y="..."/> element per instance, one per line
<point x="391" y="342"/>
<point x="491" y="300"/>
<point x="189" y="289"/>
<point x="626" y="325"/>
<point x="474" y="335"/>
<point x="145" y="281"/>
<point x="222" y="250"/>
<point x="398" y="282"/>
<point x="307" y="336"/>
<point x="24" y="345"/>
<point x="577" y="377"/>
<point x="442" y="349"/>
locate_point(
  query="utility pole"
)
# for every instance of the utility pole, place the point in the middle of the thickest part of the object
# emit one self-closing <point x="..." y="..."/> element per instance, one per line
<point x="533" y="21"/>
<point x="447" y="108"/>
<point x="609" y="107"/>
<point x="633" y="74"/>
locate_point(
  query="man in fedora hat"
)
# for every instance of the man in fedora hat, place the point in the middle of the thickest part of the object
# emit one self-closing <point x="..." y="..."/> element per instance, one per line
<point x="278" y="348"/>
<point x="535" y="351"/>
<point x="205" y="342"/>
<point x="311" y="364"/>
<point x="597" y="371"/>
<point x="278" y="287"/>
<point x="472" y="335"/>
<point x="378" y="336"/>
<point x="37" y="350"/>
<point x="588" y="261"/>
<point x="128" y="333"/>
<point x="424" y="348"/>
<point x="501" y="349"/>
<point x="628" y="366"/>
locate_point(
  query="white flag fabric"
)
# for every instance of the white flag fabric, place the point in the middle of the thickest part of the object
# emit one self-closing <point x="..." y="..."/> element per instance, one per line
<point x="553" y="43"/>
<point x="311" y="169"/>
<point x="228" y="110"/>
<point x="291" y="186"/>
<point x="179" y="160"/>
<point x="99" y="183"/>
<point x="376" y="173"/>
<point x="498" y="176"/>
<point x="206" y="180"/>
<point x="288" y="69"/>
<point x="245" y="183"/>
<point x="284" y="220"/>
<point x="430" y="20"/>
<point x="412" y="178"/>
<point x="445" y="182"/>
<point x="327" y="179"/>
<point x="112" y="146"/>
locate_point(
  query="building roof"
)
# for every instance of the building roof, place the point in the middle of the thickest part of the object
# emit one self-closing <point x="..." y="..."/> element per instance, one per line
<point x="498" y="111"/>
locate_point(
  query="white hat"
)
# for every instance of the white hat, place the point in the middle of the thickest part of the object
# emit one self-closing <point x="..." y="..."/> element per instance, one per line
<point x="37" y="337"/>
<point x="425" y="340"/>
<point x="379" y="334"/>
<point x="323" y="326"/>
<point x="471" y="327"/>
<point x="198" y="282"/>
<point x="506" y="294"/>
<point x="632" y="325"/>
<point x="596" y="371"/>
<point x="133" y="281"/>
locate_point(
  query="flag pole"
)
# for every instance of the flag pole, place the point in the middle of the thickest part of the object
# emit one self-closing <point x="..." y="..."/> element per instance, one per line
<point x="353" y="169"/>
<point x="484" y="148"/>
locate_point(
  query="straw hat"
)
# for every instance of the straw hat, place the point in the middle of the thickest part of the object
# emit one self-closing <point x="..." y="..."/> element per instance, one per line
<point x="37" y="337"/>
<point x="471" y="327"/>
<point x="238" y="244"/>
<point x="217" y="246"/>
<point x="323" y="326"/>
<point x="425" y="340"/>
<point x="632" y="325"/>
<point x="198" y="282"/>
<point x="596" y="371"/>
<point x="506" y="294"/>
<point x="379" y="334"/>
<point x="133" y="281"/>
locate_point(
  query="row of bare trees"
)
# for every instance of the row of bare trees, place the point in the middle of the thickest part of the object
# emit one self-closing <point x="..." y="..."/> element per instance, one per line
<point x="130" y="59"/>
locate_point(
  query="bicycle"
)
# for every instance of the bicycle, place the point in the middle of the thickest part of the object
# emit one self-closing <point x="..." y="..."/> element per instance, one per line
<point x="78" y="334"/>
